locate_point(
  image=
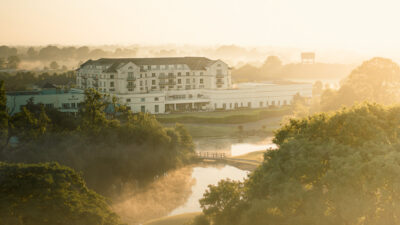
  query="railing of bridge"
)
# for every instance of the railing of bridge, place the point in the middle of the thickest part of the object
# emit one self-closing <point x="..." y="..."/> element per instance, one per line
<point x="211" y="155"/>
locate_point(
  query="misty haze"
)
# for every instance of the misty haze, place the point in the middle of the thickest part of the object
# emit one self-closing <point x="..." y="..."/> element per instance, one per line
<point x="186" y="112"/>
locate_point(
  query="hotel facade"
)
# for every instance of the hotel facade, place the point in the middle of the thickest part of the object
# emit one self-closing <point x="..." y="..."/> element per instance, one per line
<point x="163" y="85"/>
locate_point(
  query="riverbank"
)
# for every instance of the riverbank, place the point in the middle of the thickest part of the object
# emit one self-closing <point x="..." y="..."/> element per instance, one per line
<point x="181" y="219"/>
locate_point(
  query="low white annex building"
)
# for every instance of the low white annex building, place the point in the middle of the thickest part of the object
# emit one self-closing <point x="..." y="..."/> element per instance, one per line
<point x="162" y="85"/>
<point x="51" y="97"/>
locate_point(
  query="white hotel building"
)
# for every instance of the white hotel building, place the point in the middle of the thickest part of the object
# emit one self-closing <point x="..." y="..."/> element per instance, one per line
<point x="162" y="85"/>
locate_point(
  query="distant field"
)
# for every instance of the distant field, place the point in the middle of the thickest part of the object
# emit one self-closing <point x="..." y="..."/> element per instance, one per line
<point x="225" y="117"/>
<point x="181" y="219"/>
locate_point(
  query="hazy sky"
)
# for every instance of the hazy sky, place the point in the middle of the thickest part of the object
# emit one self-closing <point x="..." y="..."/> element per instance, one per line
<point x="345" y="24"/>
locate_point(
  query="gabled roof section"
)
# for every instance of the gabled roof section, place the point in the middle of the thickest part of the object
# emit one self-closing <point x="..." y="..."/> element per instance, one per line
<point x="194" y="63"/>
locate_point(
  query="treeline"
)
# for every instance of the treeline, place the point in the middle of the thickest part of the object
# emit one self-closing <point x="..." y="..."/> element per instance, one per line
<point x="112" y="150"/>
<point x="273" y="69"/>
<point x="54" y="57"/>
<point x="21" y="81"/>
<point x="54" y="53"/>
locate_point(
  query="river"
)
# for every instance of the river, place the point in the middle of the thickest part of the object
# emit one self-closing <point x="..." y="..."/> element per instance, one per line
<point x="179" y="191"/>
<point x="210" y="175"/>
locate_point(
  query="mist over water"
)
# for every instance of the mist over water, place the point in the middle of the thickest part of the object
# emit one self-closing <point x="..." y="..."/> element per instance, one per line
<point x="205" y="176"/>
<point x="157" y="200"/>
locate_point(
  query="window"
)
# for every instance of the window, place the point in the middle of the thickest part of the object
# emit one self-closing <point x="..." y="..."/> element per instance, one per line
<point x="201" y="81"/>
<point x="156" y="108"/>
<point x="130" y="74"/>
<point x="128" y="100"/>
<point x="112" y="76"/>
<point x="179" y="81"/>
<point x="65" y="106"/>
<point x="179" y="74"/>
<point x="201" y="73"/>
<point x="187" y="73"/>
<point x="194" y="80"/>
<point x="142" y="99"/>
<point x="49" y="106"/>
<point x="153" y="74"/>
<point x="112" y="84"/>
<point x="141" y="83"/>
<point x="73" y="105"/>
<point x="156" y="99"/>
<point x="153" y="82"/>
<point x="142" y="108"/>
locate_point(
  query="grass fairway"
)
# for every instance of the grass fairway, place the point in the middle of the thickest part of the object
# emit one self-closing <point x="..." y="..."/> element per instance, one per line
<point x="224" y="117"/>
<point x="181" y="219"/>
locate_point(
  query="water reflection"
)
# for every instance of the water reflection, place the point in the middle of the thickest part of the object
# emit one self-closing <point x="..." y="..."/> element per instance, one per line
<point x="205" y="176"/>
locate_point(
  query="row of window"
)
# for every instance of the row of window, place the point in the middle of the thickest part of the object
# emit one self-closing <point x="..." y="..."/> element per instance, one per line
<point x="143" y="99"/>
<point x="179" y="74"/>
<point x="249" y="105"/>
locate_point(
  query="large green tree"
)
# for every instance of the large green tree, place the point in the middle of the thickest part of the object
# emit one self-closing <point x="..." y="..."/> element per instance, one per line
<point x="41" y="194"/>
<point x="376" y="80"/>
<point x="341" y="168"/>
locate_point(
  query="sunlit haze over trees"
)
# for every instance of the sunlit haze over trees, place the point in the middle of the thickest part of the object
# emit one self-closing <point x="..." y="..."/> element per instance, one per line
<point x="185" y="112"/>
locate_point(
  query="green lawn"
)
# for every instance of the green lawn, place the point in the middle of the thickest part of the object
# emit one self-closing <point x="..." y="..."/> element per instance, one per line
<point x="225" y="117"/>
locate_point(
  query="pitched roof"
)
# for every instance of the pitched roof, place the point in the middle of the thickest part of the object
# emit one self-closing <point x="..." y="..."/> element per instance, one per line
<point x="194" y="63"/>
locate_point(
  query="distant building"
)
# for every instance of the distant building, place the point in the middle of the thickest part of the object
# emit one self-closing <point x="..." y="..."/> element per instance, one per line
<point x="49" y="96"/>
<point x="308" y="57"/>
<point x="162" y="85"/>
